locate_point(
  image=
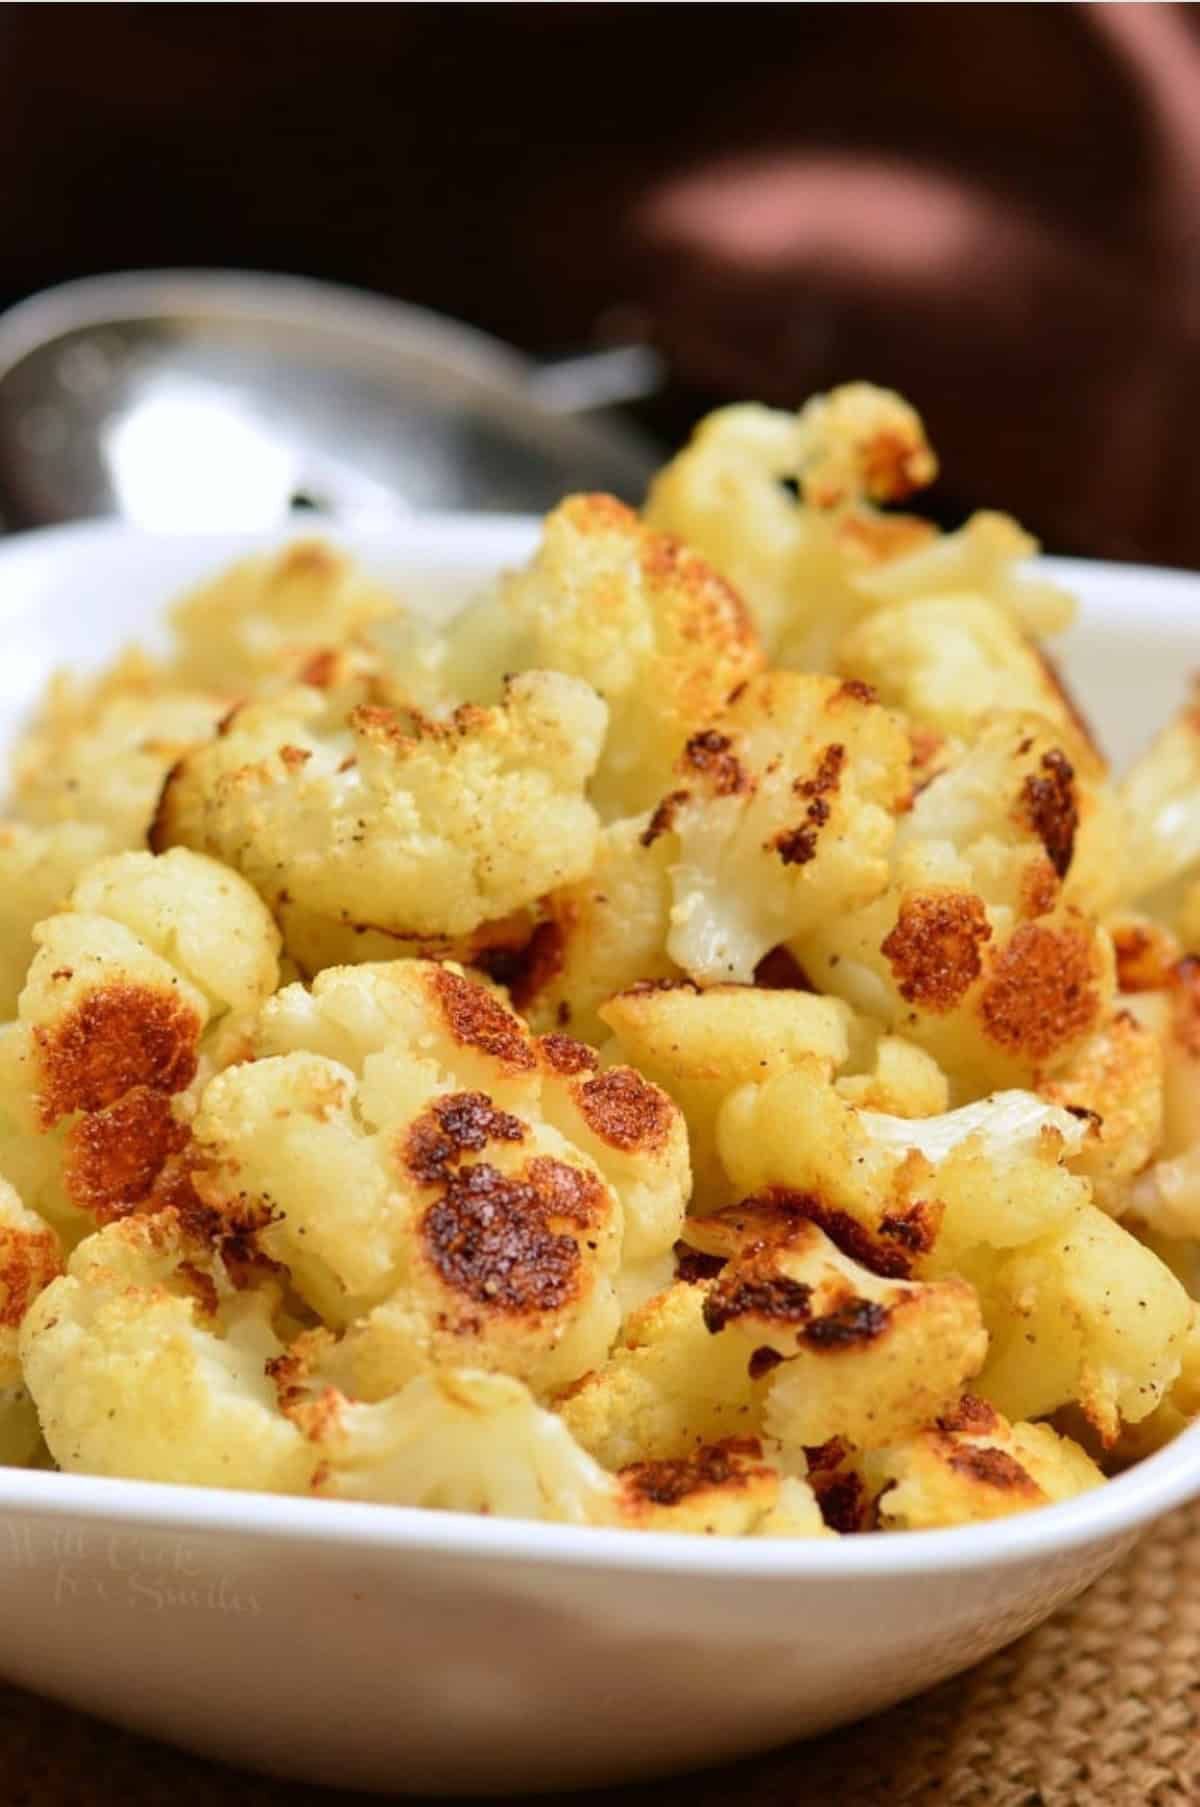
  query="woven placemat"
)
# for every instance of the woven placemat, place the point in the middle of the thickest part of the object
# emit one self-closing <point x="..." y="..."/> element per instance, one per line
<point x="1099" y="1706"/>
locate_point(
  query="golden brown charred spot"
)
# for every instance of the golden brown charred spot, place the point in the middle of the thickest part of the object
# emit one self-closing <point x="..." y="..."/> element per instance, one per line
<point x="1145" y="956"/>
<point x="1042" y="990"/>
<point x="842" y="1499"/>
<point x="116" y="1037"/>
<point x="714" y="612"/>
<point x="663" y="819"/>
<point x="934" y="947"/>
<point x="694" y="1267"/>
<point x="597" y="512"/>
<point x="625" y="1110"/>
<point x="914" y="1227"/>
<point x="848" y="1326"/>
<point x="320" y="669"/>
<point x="821" y="1457"/>
<point x="992" y="1468"/>
<point x="1039" y="889"/>
<point x="29" y="1260"/>
<point x="202" y="1287"/>
<point x="974" y="1416"/>
<point x="294" y="758"/>
<point x="774" y="1219"/>
<point x="762" y="1361"/>
<point x="229" y="1229"/>
<point x="1049" y="806"/>
<point x="567" y="1056"/>
<point x="476" y="1020"/>
<point x="458" y="1124"/>
<point x="796" y="846"/>
<point x="889" y="1254"/>
<point x="856" y="690"/>
<point x="781" y="971"/>
<point x="117" y="1158"/>
<point x="708" y="753"/>
<point x="732" y="1464"/>
<point x="492" y="1236"/>
<point x="751" y="1292"/>
<point x="926" y="744"/>
<point x="528" y="970"/>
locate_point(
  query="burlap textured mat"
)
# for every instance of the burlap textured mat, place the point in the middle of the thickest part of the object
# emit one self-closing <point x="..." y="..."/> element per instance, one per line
<point x="1101" y="1706"/>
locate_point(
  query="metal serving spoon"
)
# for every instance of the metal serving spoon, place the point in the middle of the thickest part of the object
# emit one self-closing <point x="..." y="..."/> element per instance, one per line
<point x="196" y="399"/>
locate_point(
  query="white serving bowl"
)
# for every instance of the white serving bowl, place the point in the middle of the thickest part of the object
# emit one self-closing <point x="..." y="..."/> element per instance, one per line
<point x="421" y="1652"/>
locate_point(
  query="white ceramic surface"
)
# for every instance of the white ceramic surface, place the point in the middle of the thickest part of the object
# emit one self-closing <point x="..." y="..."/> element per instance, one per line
<point x="423" y="1652"/>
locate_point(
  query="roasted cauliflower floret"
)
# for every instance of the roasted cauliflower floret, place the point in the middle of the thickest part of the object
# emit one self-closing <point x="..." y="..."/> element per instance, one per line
<point x="30" y="1258"/>
<point x="1161" y="797"/>
<point x="701" y="1045"/>
<point x="794" y="558"/>
<point x="1116" y="1080"/>
<point x="986" y="557"/>
<point x="1085" y="1316"/>
<point x="978" y="949"/>
<point x="136" y="990"/>
<point x="440" y="1186"/>
<point x="1166" y="1194"/>
<point x="949" y="661"/>
<point x="911" y="1194"/>
<point x="846" y="1353"/>
<point x="638" y="616"/>
<point x="266" y="616"/>
<point x="148" y="1360"/>
<point x="972" y="1466"/>
<point x="668" y="1389"/>
<point x="99" y="752"/>
<point x="782" y="816"/>
<point x="398" y="823"/>
<point x="601" y="934"/>
<point x="38" y="870"/>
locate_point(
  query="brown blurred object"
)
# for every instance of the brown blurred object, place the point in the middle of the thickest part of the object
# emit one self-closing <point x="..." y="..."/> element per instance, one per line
<point x="995" y="208"/>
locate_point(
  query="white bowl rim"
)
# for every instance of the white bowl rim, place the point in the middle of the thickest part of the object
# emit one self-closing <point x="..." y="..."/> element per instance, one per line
<point x="1119" y="1508"/>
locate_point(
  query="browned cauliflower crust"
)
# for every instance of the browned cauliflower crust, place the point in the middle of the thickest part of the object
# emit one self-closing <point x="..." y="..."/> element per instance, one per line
<point x="30" y="1258"/>
<point x="982" y="947"/>
<point x="442" y="1187"/>
<point x="638" y="616"/>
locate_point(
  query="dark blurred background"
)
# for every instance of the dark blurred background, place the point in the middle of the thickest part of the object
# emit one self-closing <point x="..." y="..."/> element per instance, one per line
<point x="994" y="208"/>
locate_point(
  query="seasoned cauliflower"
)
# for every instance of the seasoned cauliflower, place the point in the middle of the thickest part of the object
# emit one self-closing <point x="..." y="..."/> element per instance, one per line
<point x="782" y="817"/>
<point x="98" y="753"/>
<point x="38" y="869"/>
<point x="1087" y="1316"/>
<point x="148" y="1359"/>
<point x="1116" y="1079"/>
<point x="846" y="1352"/>
<point x="981" y="948"/>
<point x="910" y="1194"/>
<point x="268" y="615"/>
<point x="639" y="617"/>
<point x="1161" y="798"/>
<point x="398" y="823"/>
<point x="669" y="1388"/>
<point x="1166" y="1194"/>
<point x="140" y="987"/>
<point x="973" y="1465"/>
<point x="794" y="559"/>
<point x="950" y="661"/>
<point x="442" y="1188"/>
<point x="30" y="1258"/>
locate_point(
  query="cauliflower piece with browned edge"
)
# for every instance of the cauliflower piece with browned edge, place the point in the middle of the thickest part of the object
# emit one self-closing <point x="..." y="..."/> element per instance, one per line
<point x="949" y="661"/>
<point x="972" y="1466"/>
<point x="983" y="947"/>
<point x="782" y="817"/>
<point x="140" y="988"/>
<point x="38" y="870"/>
<point x="99" y="751"/>
<point x="392" y="820"/>
<point x="30" y="1258"/>
<point x="148" y="1360"/>
<point x="639" y="617"/>
<point x="847" y="1353"/>
<point x="444" y="1189"/>
<point x="1085" y="1315"/>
